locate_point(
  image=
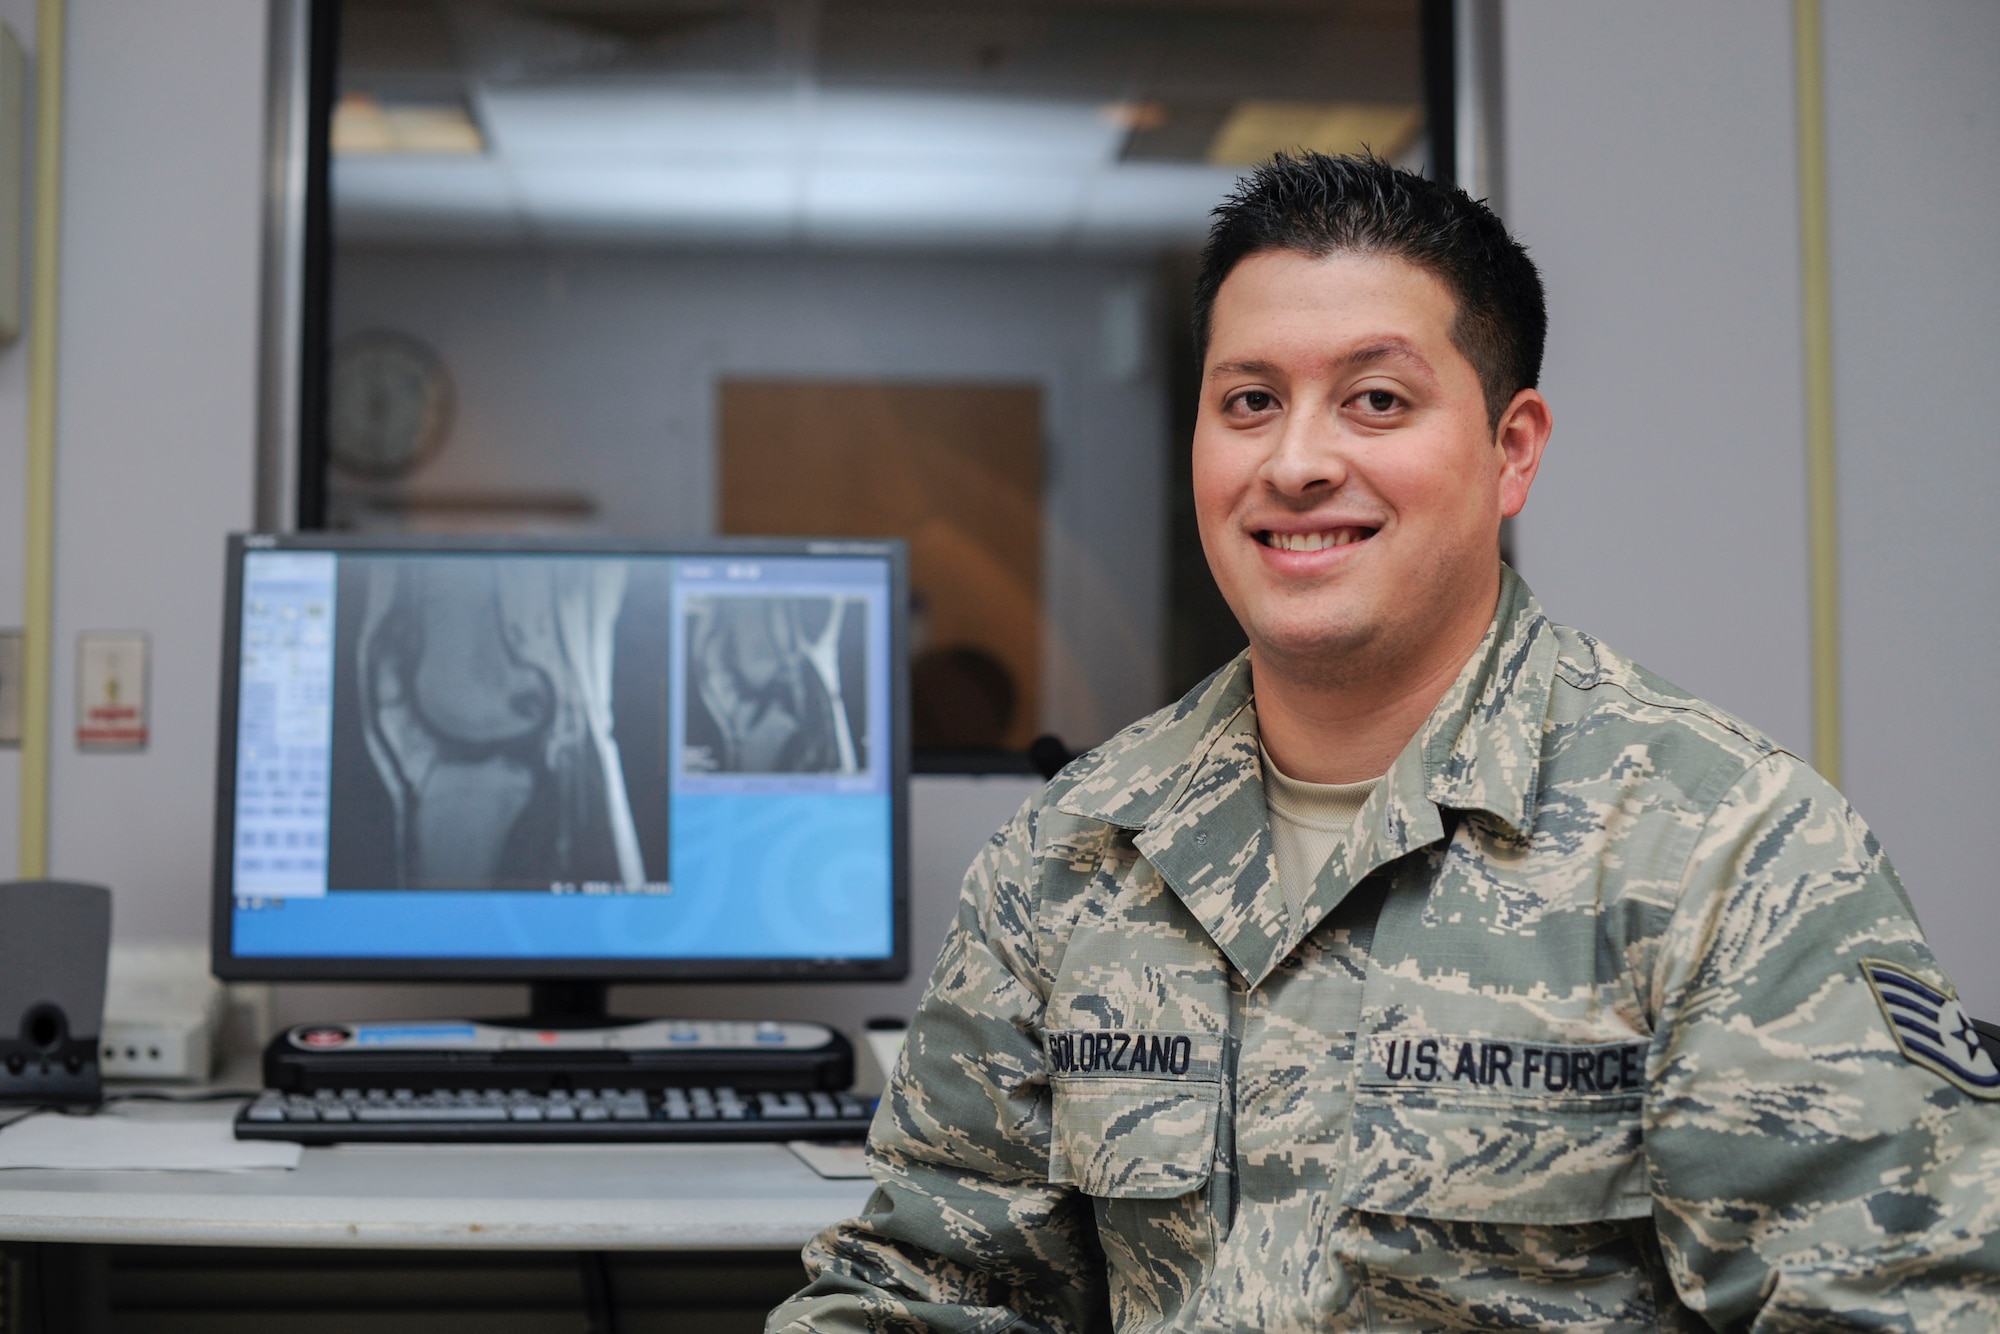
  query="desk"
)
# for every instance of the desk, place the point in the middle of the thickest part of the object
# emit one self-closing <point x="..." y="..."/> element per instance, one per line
<point x="568" y="1197"/>
<point x="378" y="1203"/>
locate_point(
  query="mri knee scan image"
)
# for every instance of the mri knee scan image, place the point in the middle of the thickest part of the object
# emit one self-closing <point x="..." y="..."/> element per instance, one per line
<point x="776" y="684"/>
<point x="504" y="724"/>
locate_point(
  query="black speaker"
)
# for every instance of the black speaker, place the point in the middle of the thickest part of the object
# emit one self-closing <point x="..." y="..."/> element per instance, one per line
<point x="55" y="944"/>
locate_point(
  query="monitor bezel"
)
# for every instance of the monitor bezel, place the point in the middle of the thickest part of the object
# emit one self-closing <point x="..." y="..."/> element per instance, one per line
<point x="232" y="967"/>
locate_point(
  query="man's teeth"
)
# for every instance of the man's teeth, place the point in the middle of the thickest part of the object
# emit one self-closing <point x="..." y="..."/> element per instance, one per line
<point x="1333" y="537"/>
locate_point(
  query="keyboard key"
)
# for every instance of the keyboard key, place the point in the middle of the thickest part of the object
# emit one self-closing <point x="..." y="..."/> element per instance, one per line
<point x="411" y="1112"/>
<point x="791" y="1106"/>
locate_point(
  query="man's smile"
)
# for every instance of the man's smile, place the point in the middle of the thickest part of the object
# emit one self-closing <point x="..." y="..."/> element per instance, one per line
<point x="1317" y="540"/>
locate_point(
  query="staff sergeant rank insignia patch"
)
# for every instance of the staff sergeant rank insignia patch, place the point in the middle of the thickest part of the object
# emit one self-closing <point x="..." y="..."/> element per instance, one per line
<point x="1932" y="1028"/>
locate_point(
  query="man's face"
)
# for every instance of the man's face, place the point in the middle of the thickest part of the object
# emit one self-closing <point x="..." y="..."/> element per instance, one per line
<point x="1348" y="486"/>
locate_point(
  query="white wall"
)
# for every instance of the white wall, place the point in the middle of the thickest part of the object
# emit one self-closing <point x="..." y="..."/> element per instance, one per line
<point x="598" y="372"/>
<point x="1652" y="172"/>
<point x="20" y="16"/>
<point x="1913" y="120"/>
<point x="1652" y="169"/>
<point x="163" y="145"/>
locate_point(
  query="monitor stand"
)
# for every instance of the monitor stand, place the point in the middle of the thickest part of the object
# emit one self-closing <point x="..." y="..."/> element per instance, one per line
<point x="564" y="1007"/>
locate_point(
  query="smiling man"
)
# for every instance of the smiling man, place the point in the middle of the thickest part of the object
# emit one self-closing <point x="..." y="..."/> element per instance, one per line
<point x="1430" y="966"/>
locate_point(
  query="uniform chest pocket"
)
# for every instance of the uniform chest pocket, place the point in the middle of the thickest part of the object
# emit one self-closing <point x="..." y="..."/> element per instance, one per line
<point x="1133" y="1116"/>
<point x="1561" y="1150"/>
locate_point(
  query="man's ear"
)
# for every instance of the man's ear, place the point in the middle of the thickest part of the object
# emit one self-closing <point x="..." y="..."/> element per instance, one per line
<point x="1520" y="437"/>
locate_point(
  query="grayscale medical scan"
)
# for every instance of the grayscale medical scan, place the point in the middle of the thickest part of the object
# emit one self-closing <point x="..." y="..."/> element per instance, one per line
<point x="495" y="731"/>
<point x="775" y="685"/>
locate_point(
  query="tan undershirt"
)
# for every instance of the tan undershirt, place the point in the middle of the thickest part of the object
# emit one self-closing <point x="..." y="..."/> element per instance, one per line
<point x="1309" y="822"/>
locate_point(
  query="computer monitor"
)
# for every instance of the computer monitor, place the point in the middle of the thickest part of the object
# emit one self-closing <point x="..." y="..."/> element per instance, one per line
<point x="566" y="762"/>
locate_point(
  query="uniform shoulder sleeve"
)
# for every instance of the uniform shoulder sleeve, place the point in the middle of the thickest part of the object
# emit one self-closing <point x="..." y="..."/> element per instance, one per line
<point x="965" y="1232"/>
<point x="1810" y="1170"/>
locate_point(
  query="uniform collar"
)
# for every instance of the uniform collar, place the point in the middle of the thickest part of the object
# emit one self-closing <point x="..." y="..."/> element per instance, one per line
<point x="1189" y="782"/>
<point x="1482" y="744"/>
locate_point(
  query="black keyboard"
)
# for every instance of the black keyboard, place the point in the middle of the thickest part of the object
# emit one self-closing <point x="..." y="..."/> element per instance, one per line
<point x="466" y="1116"/>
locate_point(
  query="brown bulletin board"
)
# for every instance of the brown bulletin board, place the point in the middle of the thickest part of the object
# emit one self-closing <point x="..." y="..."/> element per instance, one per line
<point x="954" y="469"/>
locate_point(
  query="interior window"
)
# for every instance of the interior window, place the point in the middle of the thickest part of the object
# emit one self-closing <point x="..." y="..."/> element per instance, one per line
<point x="914" y="268"/>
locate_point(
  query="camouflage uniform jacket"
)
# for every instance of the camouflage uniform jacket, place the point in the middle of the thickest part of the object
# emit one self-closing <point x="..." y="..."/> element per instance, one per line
<point x="1589" y="1029"/>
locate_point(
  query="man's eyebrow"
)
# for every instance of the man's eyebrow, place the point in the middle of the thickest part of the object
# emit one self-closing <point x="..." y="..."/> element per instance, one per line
<point x="1388" y="349"/>
<point x="1222" y="368"/>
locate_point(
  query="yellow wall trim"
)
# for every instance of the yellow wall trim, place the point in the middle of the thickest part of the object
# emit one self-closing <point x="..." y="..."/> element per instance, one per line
<point x="38" y="649"/>
<point x="1822" y="511"/>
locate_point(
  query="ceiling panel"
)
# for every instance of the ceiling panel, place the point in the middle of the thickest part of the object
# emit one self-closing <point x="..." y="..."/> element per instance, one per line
<point x="1011" y="123"/>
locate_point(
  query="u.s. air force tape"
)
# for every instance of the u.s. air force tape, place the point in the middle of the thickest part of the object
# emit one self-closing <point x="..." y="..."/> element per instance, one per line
<point x="1932" y="1028"/>
<point x="1147" y="1053"/>
<point x="1497" y="1065"/>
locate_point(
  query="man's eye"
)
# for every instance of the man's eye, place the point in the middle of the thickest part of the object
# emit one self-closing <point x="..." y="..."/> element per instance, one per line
<point x="1256" y="400"/>
<point x="1380" y="400"/>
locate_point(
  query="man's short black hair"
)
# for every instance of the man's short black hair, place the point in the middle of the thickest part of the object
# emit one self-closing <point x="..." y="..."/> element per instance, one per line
<point x="1318" y="205"/>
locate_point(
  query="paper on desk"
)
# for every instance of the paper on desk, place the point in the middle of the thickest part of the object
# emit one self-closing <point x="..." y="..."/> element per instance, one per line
<point x="134" y="1143"/>
<point x="835" y="1161"/>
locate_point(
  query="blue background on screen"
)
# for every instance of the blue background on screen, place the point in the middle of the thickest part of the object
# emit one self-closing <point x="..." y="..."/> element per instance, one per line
<point x="797" y="876"/>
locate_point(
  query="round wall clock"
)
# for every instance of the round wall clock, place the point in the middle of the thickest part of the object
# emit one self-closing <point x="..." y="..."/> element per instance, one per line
<point x="389" y="405"/>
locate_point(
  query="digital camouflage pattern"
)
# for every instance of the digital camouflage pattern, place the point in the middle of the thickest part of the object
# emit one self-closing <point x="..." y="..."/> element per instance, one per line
<point x="1576" y="1035"/>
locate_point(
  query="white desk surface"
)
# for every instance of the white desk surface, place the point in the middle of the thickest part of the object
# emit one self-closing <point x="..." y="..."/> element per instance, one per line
<point x="507" y="1197"/>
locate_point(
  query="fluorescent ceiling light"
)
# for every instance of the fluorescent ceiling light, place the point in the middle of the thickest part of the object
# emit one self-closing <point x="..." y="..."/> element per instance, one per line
<point x="362" y="125"/>
<point x="630" y="162"/>
<point x="896" y="130"/>
<point x="638" y="202"/>
<point x="848" y="128"/>
<point x="637" y="123"/>
<point x="957" y="206"/>
<point x="1254" y="131"/>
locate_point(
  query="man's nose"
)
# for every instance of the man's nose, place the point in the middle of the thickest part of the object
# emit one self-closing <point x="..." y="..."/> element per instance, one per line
<point x="1305" y="456"/>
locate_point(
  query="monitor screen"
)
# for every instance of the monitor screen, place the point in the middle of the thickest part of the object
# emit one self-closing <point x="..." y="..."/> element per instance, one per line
<point x="505" y="758"/>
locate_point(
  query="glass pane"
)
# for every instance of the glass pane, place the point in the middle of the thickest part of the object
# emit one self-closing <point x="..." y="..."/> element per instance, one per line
<point x="881" y="267"/>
